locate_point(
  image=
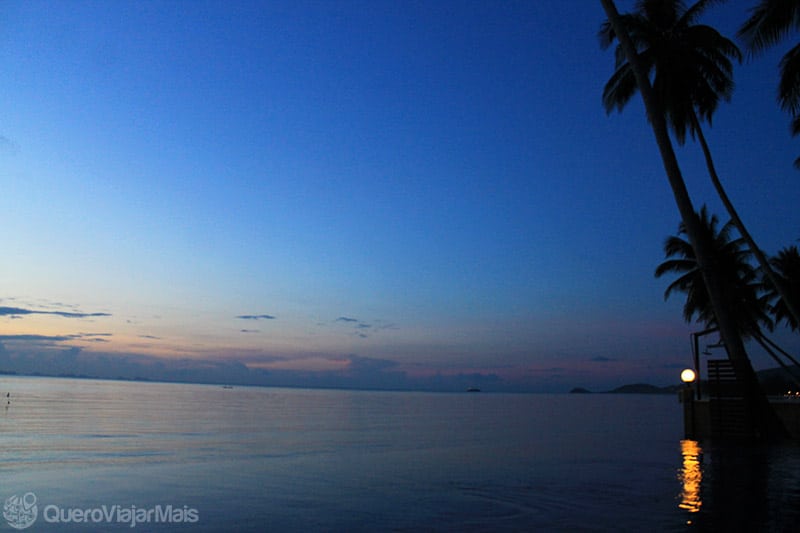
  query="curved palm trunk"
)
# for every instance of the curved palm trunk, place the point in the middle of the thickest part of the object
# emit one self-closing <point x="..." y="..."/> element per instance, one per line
<point x="777" y="348"/>
<point x="761" y="418"/>
<point x="763" y="342"/>
<point x="759" y="255"/>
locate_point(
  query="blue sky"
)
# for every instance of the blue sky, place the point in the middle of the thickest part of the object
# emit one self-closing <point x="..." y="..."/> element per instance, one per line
<point x="405" y="188"/>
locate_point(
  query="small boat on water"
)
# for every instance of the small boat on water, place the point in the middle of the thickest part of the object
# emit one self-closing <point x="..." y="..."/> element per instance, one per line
<point x="473" y="389"/>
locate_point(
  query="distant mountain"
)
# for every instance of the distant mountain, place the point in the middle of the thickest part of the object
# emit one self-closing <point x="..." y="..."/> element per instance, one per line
<point x="644" y="388"/>
<point x="635" y="388"/>
<point x="775" y="381"/>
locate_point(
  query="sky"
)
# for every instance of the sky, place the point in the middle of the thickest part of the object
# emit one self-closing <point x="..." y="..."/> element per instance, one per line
<point x="388" y="194"/>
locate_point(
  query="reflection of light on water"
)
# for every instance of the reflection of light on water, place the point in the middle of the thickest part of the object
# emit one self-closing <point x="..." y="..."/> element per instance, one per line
<point x="691" y="475"/>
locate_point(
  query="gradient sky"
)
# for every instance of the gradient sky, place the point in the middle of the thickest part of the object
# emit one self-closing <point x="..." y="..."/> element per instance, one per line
<point x="360" y="189"/>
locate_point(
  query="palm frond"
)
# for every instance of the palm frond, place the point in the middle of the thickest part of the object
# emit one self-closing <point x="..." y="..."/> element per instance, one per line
<point x="619" y="89"/>
<point x="789" y="86"/>
<point x="675" y="246"/>
<point x="691" y="65"/>
<point x="795" y="125"/>
<point x="661" y="10"/>
<point x="675" y="265"/>
<point x="786" y="265"/>
<point x="769" y="22"/>
<point x="744" y="291"/>
<point x="691" y="15"/>
<point x="606" y="34"/>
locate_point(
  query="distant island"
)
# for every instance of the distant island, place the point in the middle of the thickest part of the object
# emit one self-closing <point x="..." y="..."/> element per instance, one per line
<point x="635" y="388"/>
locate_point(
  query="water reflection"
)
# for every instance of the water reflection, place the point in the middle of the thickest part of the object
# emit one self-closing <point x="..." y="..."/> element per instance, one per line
<point x="691" y="475"/>
<point x="736" y="487"/>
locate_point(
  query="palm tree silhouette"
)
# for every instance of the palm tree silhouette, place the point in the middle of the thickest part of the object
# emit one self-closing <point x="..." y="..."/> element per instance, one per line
<point x="691" y="63"/>
<point x="748" y="295"/>
<point x="769" y="22"/>
<point x="740" y="280"/>
<point x="761" y="418"/>
<point x="692" y="70"/>
<point x="786" y="265"/>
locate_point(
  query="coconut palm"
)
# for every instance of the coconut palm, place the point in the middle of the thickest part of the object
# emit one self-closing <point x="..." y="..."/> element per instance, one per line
<point x="691" y="64"/>
<point x="787" y="266"/>
<point x="762" y="419"/>
<point x="743" y="287"/>
<point x="692" y="69"/>
<point x="769" y="22"/>
<point x="740" y="280"/>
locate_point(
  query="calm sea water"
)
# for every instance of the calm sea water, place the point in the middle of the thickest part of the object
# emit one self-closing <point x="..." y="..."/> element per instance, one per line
<point x="269" y="459"/>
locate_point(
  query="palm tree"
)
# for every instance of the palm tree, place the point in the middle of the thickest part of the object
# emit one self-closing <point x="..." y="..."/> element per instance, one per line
<point x="786" y="265"/>
<point x="769" y="22"/>
<point x="740" y="280"/>
<point x="690" y="63"/>
<point x="763" y="418"/>
<point x="742" y="285"/>
<point x="692" y="70"/>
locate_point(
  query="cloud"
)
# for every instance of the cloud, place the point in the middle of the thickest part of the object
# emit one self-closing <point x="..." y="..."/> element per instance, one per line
<point x="153" y="337"/>
<point x="357" y="324"/>
<point x="41" y="354"/>
<point x="249" y="331"/>
<point x="17" y="312"/>
<point x="256" y="317"/>
<point x="90" y="337"/>
<point x="601" y="359"/>
<point x="374" y="325"/>
<point x="36" y="338"/>
<point x="547" y="370"/>
<point x="41" y="340"/>
<point x="362" y="364"/>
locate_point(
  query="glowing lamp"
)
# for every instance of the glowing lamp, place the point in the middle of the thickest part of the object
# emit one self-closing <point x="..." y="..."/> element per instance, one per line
<point x="688" y="376"/>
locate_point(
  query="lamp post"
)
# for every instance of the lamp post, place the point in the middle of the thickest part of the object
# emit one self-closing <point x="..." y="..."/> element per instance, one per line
<point x="696" y="354"/>
<point x="688" y="377"/>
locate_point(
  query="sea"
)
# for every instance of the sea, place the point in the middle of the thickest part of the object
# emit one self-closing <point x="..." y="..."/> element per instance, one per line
<point x="92" y="455"/>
